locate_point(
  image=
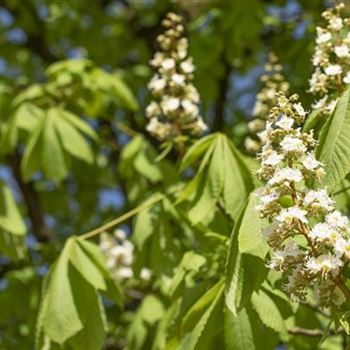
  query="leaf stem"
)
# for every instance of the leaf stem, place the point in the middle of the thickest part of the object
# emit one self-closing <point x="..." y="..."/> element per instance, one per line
<point x="148" y="203"/>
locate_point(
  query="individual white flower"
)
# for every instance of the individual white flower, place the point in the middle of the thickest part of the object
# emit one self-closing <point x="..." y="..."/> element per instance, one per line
<point x="336" y="23"/>
<point x="187" y="66"/>
<point x="292" y="144"/>
<point x="157" y="59"/>
<point x="299" y="108"/>
<point x="286" y="174"/>
<point x="322" y="36"/>
<point x="346" y="79"/>
<point x="333" y="69"/>
<point x="342" y="247"/>
<point x="145" y="273"/>
<point x="157" y="84"/>
<point x="310" y="162"/>
<point x="293" y="213"/>
<point x="321" y="102"/>
<point x="320" y="198"/>
<point x="178" y="79"/>
<point x="277" y="260"/>
<point x="273" y="159"/>
<point x="337" y="220"/>
<point x="190" y="108"/>
<point x="124" y="272"/>
<point x="285" y="122"/>
<point x="325" y="263"/>
<point x="170" y="104"/>
<point x="153" y="109"/>
<point x="342" y="51"/>
<point x="168" y="64"/>
<point x="321" y="232"/>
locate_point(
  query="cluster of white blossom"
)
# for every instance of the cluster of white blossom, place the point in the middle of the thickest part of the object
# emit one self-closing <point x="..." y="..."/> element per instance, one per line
<point x="308" y="237"/>
<point x="272" y="82"/>
<point x="118" y="251"/>
<point x="331" y="60"/>
<point x="174" y="108"/>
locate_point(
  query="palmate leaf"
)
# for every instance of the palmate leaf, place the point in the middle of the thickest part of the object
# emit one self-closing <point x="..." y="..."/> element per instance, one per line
<point x="334" y="143"/>
<point x="226" y="180"/>
<point x="71" y="311"/>
<point x="57" y="136"/>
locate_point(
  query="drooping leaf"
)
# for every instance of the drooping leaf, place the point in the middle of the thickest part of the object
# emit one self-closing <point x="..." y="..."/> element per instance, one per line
<point x="244" y="332"/>
<point x="72" y="312"/>
<point x="268" y="312"/>
<point x="206" y="332"/>
<point x="334" y="144"/>
<point x="244" y="272"/>
<point x="10" y="218"/>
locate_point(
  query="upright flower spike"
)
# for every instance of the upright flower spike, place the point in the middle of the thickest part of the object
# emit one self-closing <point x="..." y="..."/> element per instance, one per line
<point x="272" y="82"/>
<point x="308" y="237"/>
<point x="331" y="60"/>
<point x="174" y="109"/>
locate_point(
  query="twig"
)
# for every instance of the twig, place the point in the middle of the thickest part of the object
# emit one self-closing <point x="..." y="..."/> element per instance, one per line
<point x="120" y="219"/>
<point x="306" y="332"/>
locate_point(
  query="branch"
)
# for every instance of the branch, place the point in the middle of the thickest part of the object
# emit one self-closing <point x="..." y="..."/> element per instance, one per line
<point x="31" y="199"/>
<point x="224" y="85"/>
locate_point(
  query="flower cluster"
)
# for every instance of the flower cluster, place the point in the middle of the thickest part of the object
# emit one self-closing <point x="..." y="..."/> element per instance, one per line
<point x="308" y="237"/>
<point x="331" y="60"/>
<point x="272" y="81"/>
<point x="118" y="251"/>
<point x="174" y="109"/>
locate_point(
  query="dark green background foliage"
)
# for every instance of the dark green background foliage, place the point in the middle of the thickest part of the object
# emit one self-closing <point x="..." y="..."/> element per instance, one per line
<point x="74" y="154"/>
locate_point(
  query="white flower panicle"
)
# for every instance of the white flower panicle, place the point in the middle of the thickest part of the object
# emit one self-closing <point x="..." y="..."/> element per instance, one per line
<point x="118" y="251"/>
<point x="331" y="60"/>
<point x="308" y="237"/>
<point x="174" y="110"/>
<point x="272" y="82"/>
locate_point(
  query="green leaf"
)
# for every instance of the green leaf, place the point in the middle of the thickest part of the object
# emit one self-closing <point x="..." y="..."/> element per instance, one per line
<point x="196" y="151"/>
<point x="86" y="267"/>
<point x="334" y="144"/>
<point x="58" y="135"/>
<point x="91" y="314"/>
<point x="204" y="334"/>
<point x="72" y="312"/>
<point x="198" y="309"/>
<point x="61" y="319"/>
<point x="244" y="332"/>
<point x="10" y="218"/>
<point x="190" y="263"/>
<point x="72" y="140"/>
<point x="268" y="312"/>
<point x="148" y="314"/>
<point x="223" y="177"/>
<point x="113" y="291"/>
<point x="244" y="272"/>
<point x="53" y="161"/>
<point x="250" y="233"/>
